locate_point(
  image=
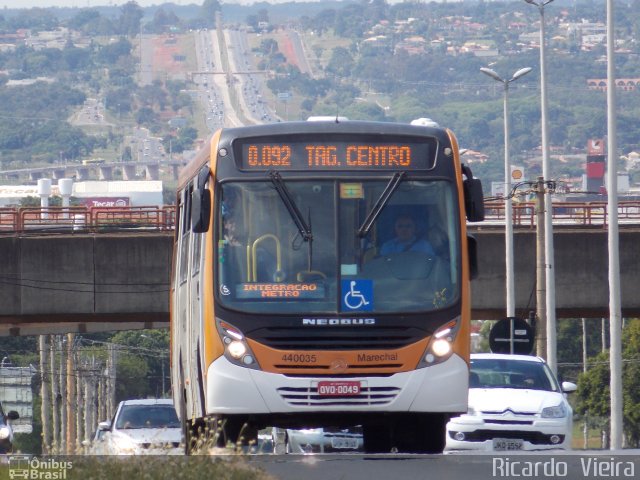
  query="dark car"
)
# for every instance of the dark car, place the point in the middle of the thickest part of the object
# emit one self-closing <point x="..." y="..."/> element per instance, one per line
<point x="6" y="432"/>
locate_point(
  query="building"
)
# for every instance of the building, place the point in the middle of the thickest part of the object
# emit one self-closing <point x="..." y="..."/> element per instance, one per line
<point x="94" y="193"/>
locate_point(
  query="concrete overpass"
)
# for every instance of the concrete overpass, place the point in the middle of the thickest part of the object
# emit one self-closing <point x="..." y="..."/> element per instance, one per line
<point x="120" y="281"/>
<point x="150" y="170"/>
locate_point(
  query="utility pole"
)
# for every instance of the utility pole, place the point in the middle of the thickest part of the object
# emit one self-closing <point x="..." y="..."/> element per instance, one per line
<point x="585" y="426"/>
<point x="88" y="400"/>
<point x="111" y="390"/>
<point x="71" y="394"/>
<point x="55" y="392"/>
<point x="541" y="310"/>
<point x="45" y="408"/>
<point x="80" y="409"/>
<point x="62" y="379"/>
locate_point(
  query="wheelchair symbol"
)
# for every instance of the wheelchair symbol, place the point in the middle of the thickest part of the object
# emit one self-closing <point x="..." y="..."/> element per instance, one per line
<point x="354" y="299"/>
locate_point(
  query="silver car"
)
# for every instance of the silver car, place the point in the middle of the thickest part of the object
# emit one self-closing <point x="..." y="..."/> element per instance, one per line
<point x="143" y="427"/>
<point x="317" y="440"/>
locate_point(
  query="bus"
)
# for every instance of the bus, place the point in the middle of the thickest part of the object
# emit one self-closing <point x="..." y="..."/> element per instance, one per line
<point x="285" y="309"/>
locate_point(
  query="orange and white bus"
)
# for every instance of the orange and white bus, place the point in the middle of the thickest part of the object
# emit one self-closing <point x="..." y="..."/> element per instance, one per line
<point x="287" y="311"/>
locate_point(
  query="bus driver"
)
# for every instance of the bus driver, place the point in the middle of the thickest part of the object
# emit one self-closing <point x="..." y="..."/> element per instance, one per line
<point x="406" y="239"/>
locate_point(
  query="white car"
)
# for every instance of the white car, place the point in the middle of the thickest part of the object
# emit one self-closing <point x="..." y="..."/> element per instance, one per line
<point x="143" y="427"/>
<point x="6" y="432"/>
<point x="317" y="440"/>
<point x="515" y="403"/>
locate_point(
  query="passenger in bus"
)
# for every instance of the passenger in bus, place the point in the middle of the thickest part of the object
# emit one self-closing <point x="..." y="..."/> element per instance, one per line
<point x="406" y="239"/>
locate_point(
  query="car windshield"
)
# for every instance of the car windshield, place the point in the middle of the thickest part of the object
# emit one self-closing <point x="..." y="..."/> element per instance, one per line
<point x="147" y="416"/>
<point x="289" y="245"/>
<point x="511" y="373"/>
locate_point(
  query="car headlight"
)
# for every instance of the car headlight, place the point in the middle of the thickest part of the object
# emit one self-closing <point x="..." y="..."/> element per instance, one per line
<point x="4" y="432"/>
<point x="559" y="411"/>
<point x="124" y="445"/>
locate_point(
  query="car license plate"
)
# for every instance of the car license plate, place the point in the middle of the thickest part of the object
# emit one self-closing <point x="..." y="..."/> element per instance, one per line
<point x="339" y="442"/>
<point x="338" y="389"/>
<point x="507" y="444"/>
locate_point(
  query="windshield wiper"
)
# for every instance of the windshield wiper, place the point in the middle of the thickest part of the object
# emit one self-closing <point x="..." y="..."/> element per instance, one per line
<point x="382" y="201"/>
<point x="292" y="208"/>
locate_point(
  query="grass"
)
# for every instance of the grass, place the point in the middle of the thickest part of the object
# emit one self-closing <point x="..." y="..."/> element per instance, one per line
<point x="594" y="438"/>
<point x="231" y="467"/>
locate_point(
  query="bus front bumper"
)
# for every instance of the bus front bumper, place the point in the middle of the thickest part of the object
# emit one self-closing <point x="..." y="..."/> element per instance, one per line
<point x="231" y="389"/>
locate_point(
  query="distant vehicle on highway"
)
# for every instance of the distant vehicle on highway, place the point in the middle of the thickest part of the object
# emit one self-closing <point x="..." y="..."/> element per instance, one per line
<point x="143" y="427"/>
<point x="515" y="403"/>
<point x="93" y="161"/>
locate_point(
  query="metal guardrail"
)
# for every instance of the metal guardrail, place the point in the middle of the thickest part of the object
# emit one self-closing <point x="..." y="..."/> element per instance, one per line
<point x="565" y="213"/>
<point x="86" y="220"/>
<point x="109" y="219"/>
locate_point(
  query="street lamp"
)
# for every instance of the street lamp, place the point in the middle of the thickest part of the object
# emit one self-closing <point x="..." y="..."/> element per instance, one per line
<point x="549" y="324"/>
<point x="508" y="212"/>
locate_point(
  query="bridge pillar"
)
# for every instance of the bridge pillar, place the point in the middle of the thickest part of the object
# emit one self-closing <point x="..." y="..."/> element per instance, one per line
<point x="129" y="172"/>
<point x="82" y="174"/>
<point x="33" y="176"/>
<point x="152" y="172"/>
<point x="105" y="172"/>
<point x="58" y="173"/>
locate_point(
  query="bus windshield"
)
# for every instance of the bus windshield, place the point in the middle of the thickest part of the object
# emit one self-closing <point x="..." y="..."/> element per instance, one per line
<point x="408" y="260"/>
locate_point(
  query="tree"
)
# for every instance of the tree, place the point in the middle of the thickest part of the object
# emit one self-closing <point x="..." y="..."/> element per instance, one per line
<point x="593" y="386"/>
<point x="208" y="12"/>
<point x="130" y="16"/>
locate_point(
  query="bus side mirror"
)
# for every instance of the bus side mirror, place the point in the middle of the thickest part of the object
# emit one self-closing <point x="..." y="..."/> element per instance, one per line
<point x="472" y="248"/>
<point x="473" y="198"/>
<point x="200" y="210"/>
<point x="201" y="203"/>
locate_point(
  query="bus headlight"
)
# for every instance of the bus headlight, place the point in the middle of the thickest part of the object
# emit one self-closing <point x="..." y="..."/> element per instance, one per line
<point x="236" y="348"/>
<point x="440" y="347"/>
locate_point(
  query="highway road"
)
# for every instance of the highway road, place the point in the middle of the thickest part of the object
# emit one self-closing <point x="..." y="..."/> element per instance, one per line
<point x="575" y="465"/>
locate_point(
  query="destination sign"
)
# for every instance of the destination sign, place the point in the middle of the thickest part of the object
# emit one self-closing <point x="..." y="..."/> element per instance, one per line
<point x="395" y="153"/>
<point x="292" y="291"/>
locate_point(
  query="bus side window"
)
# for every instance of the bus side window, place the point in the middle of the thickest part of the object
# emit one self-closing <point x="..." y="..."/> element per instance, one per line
<point x="186" y="235"/>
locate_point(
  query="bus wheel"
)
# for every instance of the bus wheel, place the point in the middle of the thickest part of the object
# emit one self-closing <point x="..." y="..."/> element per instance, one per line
<point x="377" y="438"/>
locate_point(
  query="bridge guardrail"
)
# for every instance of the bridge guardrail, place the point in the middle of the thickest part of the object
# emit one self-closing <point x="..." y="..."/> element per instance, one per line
<point x="84" y="219"/>
<point x="565" y="213"/>
<point x="109" y="219"/>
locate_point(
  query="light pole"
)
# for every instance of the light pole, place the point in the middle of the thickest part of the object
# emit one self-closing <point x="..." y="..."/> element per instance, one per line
<point x="508" y="213"/>
<point x="550" y="321"/>
<point x="615" y="315"/>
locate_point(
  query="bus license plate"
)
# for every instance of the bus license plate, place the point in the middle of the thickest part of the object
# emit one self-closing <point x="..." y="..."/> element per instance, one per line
<point x="507" y="444"/>
<point x="338" y="389"/>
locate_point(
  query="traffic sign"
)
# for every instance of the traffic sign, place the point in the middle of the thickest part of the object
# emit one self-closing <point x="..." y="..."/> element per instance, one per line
<point x="511" y="335"/>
